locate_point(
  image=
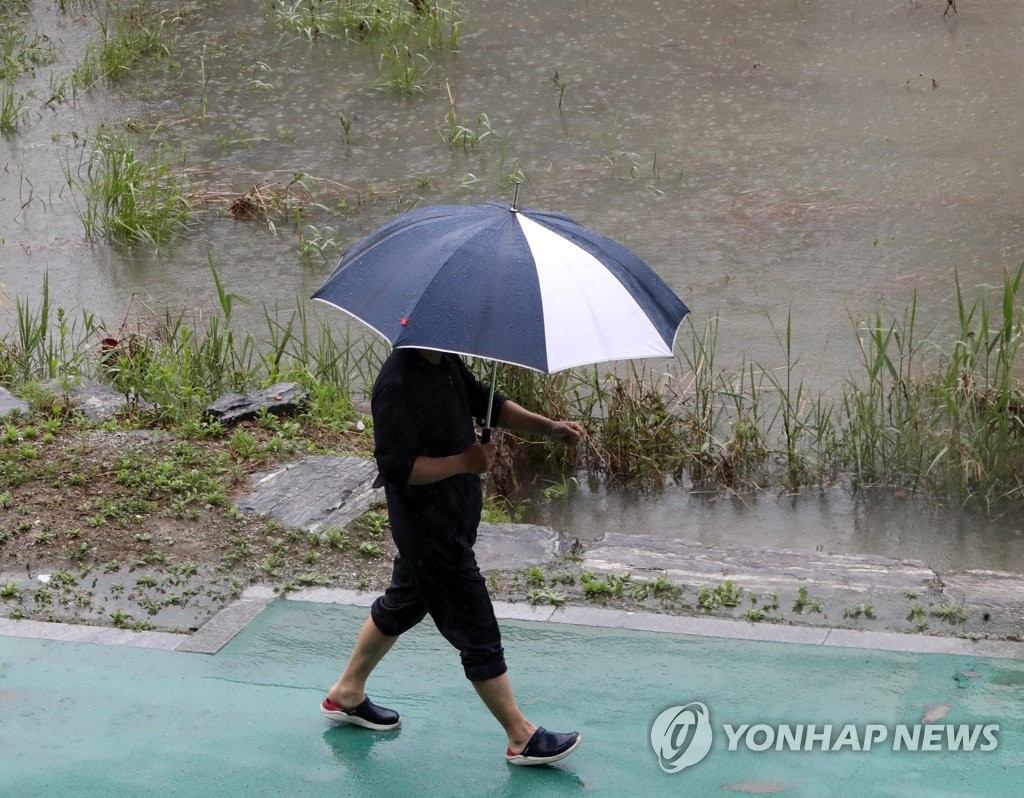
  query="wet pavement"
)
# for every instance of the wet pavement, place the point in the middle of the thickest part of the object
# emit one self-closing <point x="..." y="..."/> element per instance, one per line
<point x="94" y="719"/>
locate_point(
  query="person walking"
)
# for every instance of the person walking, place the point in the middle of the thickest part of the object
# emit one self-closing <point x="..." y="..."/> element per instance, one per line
<point x="424" y="403"/>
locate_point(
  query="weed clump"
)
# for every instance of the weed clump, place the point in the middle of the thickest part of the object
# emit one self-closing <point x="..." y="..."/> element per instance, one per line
<point x="129" y="195"/>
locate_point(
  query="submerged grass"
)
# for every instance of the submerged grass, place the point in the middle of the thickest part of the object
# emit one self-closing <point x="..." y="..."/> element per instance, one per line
<point x="12" y="109"/>
<point x="944" y="421"/>
<point x="129" y="195"/>
<point x="22" y="51"/>
<point x="418" y="24"/>
<point x="947" y="420"/>
<point x="127" y="35"/>
<point x="402" y="32"/>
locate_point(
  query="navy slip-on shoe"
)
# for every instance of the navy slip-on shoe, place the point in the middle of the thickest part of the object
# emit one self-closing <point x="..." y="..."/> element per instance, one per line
<point x="367" y="714"/>
<point x="545" y="747"/>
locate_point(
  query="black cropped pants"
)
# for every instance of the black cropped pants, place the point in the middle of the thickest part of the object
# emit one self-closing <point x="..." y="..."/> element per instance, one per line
<point x="437" y="574"/>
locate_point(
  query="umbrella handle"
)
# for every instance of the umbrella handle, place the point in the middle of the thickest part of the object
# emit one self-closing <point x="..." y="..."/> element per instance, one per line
<point x="485" y="436"/>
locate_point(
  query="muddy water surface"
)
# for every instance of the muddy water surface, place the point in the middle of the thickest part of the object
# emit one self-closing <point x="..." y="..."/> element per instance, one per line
<point x="826" y="159"/>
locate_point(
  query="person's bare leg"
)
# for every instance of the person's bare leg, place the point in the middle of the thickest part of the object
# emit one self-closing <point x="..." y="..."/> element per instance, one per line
<point x="498" y="697"/>
<point x="371" y="646"/>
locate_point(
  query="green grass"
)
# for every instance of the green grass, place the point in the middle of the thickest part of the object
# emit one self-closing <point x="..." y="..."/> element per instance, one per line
<point x="862" y="609"/>
<point x="129" y="193"/>
<point x="13" y="112"/>
<point x="402" y="33"/>
<point x="613" y="585"/>
<point x="500" y="510"/>
<point x="917" y="617"/>
<point x="127" y="35"/>
<point x="404" y="70"/>
<point x="950" y="612"/>
<point x="944" y="419"/>
<point x="804" y="602"/>
<point x="425" y="24"/>
<point x="535" y="576"/>
<point x="724" y="595"/>
<point x="659" y="587"/>
<point x="459" y="133"/>
<point x="541" y="596"/>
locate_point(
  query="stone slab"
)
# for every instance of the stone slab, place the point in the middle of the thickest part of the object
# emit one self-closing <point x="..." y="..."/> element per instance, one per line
<point x="688" y="625"/>
<point x="856" y="591"/>
<point x="9" y="403"/>
<point x="315" y="493"/>
<point x="522" y="612"/>
<point x="997" y="595"/>
<point x="692" y="562"/>
<point x="514" y="546"/>
<point x="330" y="595"/>
<point x="98" y="402"/>
<point x="281" y="399"/>
<point x="924" y="644"/>
<point x="321" y="491"/>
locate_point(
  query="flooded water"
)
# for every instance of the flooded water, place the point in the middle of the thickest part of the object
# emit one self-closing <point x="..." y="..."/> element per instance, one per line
<point x="767" y="157"/>
<point x="834" y="520"/>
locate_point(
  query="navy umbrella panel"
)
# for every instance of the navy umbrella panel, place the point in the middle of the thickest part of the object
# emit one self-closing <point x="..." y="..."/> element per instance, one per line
<point x="531" y="288"/>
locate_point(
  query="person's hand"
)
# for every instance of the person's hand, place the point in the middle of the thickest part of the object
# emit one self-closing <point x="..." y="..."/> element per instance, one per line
<point x="567" y="432"/>
<point x="479" y="457"/>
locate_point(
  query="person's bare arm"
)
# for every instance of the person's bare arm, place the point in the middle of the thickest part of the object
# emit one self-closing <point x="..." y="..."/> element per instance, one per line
<point x="519" y="419"/>
<point x="477" y="459"/>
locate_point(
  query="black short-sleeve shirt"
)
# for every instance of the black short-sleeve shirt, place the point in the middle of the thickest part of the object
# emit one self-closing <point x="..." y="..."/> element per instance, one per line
<point x="424" y="409"/>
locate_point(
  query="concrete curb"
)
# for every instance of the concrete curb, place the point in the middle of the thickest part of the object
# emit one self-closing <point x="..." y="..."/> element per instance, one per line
<point x="715" y="627"/>
<point x="80" y="633"/>
<point x="227" y="623"/>
<point x="222" y="627"/>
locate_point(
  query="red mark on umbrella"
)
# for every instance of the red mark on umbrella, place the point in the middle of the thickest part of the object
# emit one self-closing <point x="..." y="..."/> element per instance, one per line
<point x="405" y="321"/>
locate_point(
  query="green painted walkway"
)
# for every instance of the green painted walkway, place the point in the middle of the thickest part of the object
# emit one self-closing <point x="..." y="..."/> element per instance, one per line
<point x="95" y="720"/>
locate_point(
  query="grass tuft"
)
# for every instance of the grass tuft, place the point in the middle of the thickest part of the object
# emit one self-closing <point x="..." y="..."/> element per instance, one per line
<point x="131" y="196"/>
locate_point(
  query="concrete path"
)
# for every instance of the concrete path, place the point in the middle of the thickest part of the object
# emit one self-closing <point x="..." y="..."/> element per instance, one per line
<point x="661" y="714"/>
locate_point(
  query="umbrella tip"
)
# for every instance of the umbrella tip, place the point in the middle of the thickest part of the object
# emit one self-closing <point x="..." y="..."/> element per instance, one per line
<point x="515" y="197"/>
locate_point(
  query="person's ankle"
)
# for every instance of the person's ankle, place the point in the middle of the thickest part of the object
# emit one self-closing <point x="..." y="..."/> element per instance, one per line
<point x="517" y="741"/>
<point x="345" y="697"/>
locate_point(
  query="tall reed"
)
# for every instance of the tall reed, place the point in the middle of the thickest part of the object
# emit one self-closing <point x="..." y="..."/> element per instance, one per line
<point x="45" y="342"/>
<point x="641" y="433"/>
<point x="806" y="431"/>
<point x="951" y="424"/>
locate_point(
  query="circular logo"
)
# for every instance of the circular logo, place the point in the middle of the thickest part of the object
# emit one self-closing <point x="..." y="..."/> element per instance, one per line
<point x="681" y="736"/>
